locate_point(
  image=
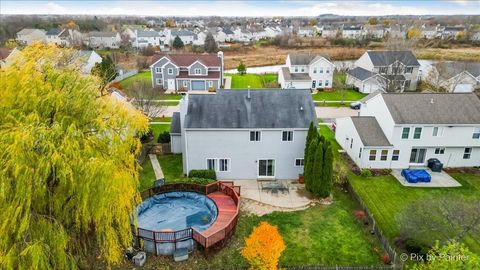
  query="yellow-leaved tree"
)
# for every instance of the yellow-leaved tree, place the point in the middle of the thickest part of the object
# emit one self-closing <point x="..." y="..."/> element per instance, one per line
<point x="263" y="247"/>
<point x="68" y="175"/>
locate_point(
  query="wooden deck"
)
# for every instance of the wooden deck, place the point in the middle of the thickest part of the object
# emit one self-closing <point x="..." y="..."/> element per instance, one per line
<point x="226" y="212"/>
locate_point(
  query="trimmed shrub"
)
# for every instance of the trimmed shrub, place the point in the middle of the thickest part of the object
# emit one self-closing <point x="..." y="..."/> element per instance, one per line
<point x="200" y="181"/>
<point x="164" y="137"/>
<point x="206" y="174"/>
<point x="413" y="246"/>
<point x="365" y="173"/>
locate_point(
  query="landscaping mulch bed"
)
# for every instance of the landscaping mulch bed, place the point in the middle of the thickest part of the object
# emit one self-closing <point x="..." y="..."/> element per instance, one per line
<point x="469" y="170"/>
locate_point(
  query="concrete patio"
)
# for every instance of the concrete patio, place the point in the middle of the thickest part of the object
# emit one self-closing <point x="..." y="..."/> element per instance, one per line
<point x="296" y="197"/>
<point x="439" y="179"/>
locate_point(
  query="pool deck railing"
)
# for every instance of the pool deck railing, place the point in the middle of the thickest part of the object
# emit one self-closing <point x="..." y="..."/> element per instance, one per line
<point x="225" y="195"/>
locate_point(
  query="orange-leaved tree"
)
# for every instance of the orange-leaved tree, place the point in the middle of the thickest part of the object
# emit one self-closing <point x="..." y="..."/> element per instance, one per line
<point x="263" y="247"/>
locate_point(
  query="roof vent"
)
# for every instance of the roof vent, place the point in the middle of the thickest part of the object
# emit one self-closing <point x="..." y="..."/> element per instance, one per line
<point x="432" y="101"/>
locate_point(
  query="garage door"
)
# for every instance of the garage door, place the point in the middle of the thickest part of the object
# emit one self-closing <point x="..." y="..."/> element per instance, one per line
<point x="198" y="85"/>
<point x="463" y="88"/>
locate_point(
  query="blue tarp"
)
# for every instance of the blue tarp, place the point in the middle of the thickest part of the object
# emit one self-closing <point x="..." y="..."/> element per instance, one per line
<point x="415" y="176"/>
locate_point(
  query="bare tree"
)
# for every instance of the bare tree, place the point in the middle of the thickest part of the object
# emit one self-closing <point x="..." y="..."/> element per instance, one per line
<point x="445" y="218"/>
<point x="147" y="99"/>
<point x="340" y="86"/>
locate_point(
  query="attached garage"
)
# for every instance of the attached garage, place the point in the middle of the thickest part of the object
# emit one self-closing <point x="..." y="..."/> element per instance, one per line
<point x="198" y="85"/>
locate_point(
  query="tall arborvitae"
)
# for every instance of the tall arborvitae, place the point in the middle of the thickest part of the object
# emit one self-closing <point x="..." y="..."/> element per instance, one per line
<point x="310" y="161"/>
<point x="327" y="171"/>
<point x="318" y="167"/>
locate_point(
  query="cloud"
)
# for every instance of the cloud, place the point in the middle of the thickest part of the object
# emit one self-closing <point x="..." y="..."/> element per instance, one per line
<point x="54" y="8"/>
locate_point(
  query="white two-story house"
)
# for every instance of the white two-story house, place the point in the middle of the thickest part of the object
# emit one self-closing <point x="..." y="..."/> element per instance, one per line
<point x="391" y="71"/>
<point x="399" y="130"/>
<point x="243" y="134"/>
<point x="185" y="72"/>
<point x="306" y="71"/>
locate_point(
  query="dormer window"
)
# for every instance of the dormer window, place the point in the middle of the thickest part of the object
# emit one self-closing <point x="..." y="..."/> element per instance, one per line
<point x="197" y="71"/>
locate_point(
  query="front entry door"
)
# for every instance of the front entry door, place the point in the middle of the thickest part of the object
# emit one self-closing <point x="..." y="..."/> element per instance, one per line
<point x="171" y="84"/>
<point x="266" y="168"/>
<point x="417" y="156"/>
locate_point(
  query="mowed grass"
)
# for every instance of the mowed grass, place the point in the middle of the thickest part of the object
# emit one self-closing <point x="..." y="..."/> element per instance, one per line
<point x="385" y="197"/>
<point x="349" y="95"/>
<point x="159" y="128"/>
<point x="255" y="81"/>
<point x="145" y="77"/>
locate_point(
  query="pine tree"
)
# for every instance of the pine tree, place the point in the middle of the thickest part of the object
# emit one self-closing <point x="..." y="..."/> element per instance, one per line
<point x="177" y="43"/>
<point x="210" y="43"/>
<point x="242" y="68"/>
<point x="308" y="167"/>
<point x="68" y="176"/>
<point x="317" y="167"/>
<point x="310" y="135"/>
<point x="327" y="171"/>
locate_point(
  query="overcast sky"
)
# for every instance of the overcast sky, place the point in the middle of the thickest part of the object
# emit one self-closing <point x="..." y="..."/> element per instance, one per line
<point x="242" y="8"/>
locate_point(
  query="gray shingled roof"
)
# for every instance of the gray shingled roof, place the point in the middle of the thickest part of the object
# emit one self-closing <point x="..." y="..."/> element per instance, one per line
<point x="175" y="127"/>
<point x="448" y="70"/>
<point x="277" y="108"/>
<point x="53" y="32"/>
<point x="433" y="108"/>
<point x="370" y="96"/>
<point x="386" y="58"/>
<point x="370" y="131"/>
<point x="361" y="73"/>
<point x="304" y="58"/>
<point x="182" y="33"/>
<point x="295" y="76"/>
<point x="141" y="33"/>
<point x="102" y="34"/>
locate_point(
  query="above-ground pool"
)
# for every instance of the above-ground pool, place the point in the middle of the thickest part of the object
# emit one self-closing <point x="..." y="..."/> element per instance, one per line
<point x="174" y="211"/>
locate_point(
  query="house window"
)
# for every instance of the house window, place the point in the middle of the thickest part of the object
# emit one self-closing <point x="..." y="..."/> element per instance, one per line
<point x="210" y="83"/>
<point x="351" y="143"/>
<point x="321" y="70"/>
<point x="211" y="164"/>
<point x="287" y="136"/>
<point x="417" y="133"/>
<point x="296" y="69"/>
<point x="198" y="71"/>
<point x="383" y="155"/>
<point x="360" y="153"/>
<point x="170" y="71"/>
<point x="299" y="162"/>
<point x="224" y="164"/>
<point x="408" y="69"/>
<point x="254" y="136"/>
<point x="320" y="83"/>
<point x="185" y="83"/>
<point x="476" y="133"/>
<point x="314" y="69"/>
<point x="382" y="70"/>
<point x="158" y="81"/>
<point x="327" y="70"/>
<point x="407" y="84"/>
<point x="395" y="154"/>
<point x="302" y="70"/>
<point x="405" y="132"/>
<point x="467" y="153"/>
<point x="373" y="154"/>
<point x="437" y="131"/>
<point x="440" y="151"/>
<point x="158" y="70"/>
<point x="326" y="82"/>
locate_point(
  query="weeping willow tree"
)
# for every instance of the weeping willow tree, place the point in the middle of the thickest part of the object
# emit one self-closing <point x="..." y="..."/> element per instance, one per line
<point x="68" y="175"/>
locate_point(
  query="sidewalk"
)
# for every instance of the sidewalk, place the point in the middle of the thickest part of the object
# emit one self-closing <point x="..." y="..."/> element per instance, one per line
<point x="156" y="167"/>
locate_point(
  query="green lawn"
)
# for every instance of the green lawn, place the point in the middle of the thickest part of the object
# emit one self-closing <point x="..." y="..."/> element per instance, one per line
<point x="159" y="128"/>
<point x="146" y="175"/>
<point x="350" y="95"/>
<point x="385" y="197"/>
<point x="255" y="81"/>
<point x="146" y="77"/>
<point x="161" y="119"/>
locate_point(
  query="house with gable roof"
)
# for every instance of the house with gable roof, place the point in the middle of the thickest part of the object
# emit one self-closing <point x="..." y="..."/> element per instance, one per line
<point x="186" y="72"/>
<point x="306" y="71"/>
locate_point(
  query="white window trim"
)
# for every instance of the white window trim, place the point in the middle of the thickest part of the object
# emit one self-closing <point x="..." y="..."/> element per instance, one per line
<point x="215" y="163"/>
<point x="408" y="135"/>
<point x="210" y="83"/>
<point x="199" y="71"/>
<point x="293" y="137"/>
<point x="398" y="155"/>
<point x="274" y="168"/>
<point x="370" y="155"/>
<point x="260" y="135"/>
<point x="421" y="131"/>
<point x="158" y="70"/>
<point x="229" y="164"/>
<point x="295" y="163"/>
<point x="381" y="155"/>
<point x="170" y="71"/>
<point x="476" y="130"/>
<point x="440" y="150"/>
<point x="185" y="83"/>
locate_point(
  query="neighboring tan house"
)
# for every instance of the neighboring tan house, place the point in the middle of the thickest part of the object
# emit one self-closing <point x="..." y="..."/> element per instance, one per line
<point x="456" y="77"/>
<point x="352" y="31"/>
<point x="306" y="71"/>
<point x="398" y="66"/>
<point x="400" y="130"/>
<point x="243" y="134"/>
<point x="27" y="36"/>
<point x="88" y="59"/>
<point x="185" y="72"/>
<point x="110" y="40"/>
<point x="186" y="36"/>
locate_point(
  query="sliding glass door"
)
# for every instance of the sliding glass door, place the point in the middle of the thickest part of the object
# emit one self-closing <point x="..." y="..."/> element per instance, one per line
<point x="266" y="168"/>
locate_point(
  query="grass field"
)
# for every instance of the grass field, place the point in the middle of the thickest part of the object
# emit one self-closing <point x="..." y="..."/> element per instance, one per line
<point x="159" y="128"/>
<point x="146" y="78"/>
<point x="255" y="81"/>
<point x="385" y="197"/>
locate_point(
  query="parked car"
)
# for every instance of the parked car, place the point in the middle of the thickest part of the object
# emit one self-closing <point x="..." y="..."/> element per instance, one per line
<point x="355" y="105"/>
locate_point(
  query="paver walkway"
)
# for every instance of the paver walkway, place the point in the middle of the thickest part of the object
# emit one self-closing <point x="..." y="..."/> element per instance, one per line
<point x="439" y="179"/>
<point x="156" y="166"/>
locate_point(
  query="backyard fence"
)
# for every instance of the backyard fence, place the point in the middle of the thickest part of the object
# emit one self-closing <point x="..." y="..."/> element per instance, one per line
<point x="123" y="74"/>
<point x="221" y="233"/>
<point x="397" y="263"/>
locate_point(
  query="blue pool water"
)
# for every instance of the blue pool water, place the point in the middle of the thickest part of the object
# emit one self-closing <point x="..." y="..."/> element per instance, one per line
<point x="176" y="211"/>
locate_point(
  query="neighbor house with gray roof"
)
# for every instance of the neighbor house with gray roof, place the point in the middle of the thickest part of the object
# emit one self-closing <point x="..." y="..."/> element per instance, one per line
<point x="374" y="70"/>
<point x="27" y="36"/>
<point x="402" y="130"/>
<point x="243" y="134"/>
<point x="109" y="40"/>
<point x="306" y="71"/>
<point x="186" y="72"/>
<point x="456" y="77"/>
